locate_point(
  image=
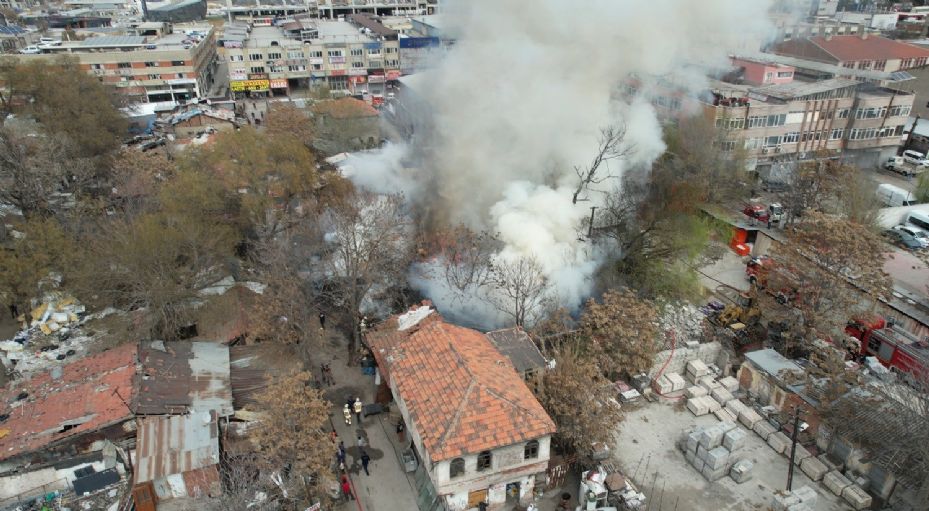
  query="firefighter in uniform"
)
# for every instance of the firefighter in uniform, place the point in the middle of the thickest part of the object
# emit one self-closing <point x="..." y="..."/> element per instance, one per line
<point x="348" y="415"/>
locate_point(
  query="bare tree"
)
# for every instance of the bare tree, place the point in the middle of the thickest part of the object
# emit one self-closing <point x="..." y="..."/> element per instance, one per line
<point x="519" y="288"/>
<point x="467" y="257"/>
<point x="369" y="245"/>
<point x="610" y="147"/>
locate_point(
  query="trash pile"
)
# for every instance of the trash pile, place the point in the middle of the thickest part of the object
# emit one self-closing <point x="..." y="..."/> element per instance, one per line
<point x="50" y="334"/>
<point x="686" y="321"/>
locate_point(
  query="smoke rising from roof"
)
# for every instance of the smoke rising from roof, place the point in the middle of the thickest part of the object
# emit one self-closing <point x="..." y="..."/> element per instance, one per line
<point x="518" y="102"/>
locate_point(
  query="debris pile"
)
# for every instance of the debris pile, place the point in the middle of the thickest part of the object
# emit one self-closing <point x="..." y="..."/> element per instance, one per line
<point x="714" y="451"/>
<point x="687" y="323"/>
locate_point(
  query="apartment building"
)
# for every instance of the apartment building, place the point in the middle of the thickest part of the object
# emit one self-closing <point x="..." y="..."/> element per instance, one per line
<point x="332" y="9"/>
<point x="864" y="51"/>
<point x="353" y="56"/>
<point x="154" y="62"/>
<point x="795" y="120"/>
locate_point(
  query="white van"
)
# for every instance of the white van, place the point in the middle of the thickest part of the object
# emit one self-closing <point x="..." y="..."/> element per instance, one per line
<point x="917" y="219"/>
<point x="893" y="196"/>
<point x="915" y="158"/>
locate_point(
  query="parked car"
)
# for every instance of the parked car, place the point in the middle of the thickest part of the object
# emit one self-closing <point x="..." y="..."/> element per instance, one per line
<point x="903" y="240"/>
<point x="893" y="196"/>
<point x="915" y="232"/>
<point x="31" y="50"/>
<point x="915" y="158"/>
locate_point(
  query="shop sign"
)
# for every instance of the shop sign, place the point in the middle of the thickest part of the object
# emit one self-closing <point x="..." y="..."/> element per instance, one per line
<point x="358" y="72"/>
<point x="316" y="60"/>
<point x="249" y="85"/>
<point x="357" y="79"/>
<point x="336" y="60"/>
<point x="376" y="79"/>
<point x="338" y="72"/>
<point x="257" y="76"/>
<point x="238" y="74"/>
<point x="279" y="84"/>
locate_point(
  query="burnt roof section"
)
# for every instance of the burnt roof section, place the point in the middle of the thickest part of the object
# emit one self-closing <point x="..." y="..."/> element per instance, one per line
<point x="251" y="367"/>
<point x="182" y="377"/>
<point x="516" y="344"/>
<point x="368" y="21"/>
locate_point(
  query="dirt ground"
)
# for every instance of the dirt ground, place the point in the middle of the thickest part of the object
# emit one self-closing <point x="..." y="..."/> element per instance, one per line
<point x="647" y="452"/>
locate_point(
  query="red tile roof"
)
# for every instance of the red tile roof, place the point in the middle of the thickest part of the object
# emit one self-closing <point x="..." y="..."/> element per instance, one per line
<point x="847" y="48"/>
<point x="83" y="396"/>
<point x="462" y="394"/>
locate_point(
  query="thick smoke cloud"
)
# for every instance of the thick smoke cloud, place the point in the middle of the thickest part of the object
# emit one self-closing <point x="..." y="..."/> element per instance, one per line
<point x="520" y="98"/>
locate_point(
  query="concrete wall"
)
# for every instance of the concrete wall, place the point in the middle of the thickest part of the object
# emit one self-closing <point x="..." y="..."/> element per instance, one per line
<point x="708" y="352"/>
<point x="504" y="461"/>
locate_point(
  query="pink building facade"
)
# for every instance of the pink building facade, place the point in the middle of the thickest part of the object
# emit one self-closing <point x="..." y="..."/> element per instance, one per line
<point x="764" y="73"/>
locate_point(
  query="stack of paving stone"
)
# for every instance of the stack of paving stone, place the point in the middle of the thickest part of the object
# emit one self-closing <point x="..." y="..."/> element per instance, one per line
<point x="845" y="488"/>
<point x="801" y="499"/>
<point x="696" y="369"/>
<point x="713" y="450"/>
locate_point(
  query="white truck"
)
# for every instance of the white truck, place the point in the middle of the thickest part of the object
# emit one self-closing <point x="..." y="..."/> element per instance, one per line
<point x="893" y="196"/>
<point x="905" y="166"/>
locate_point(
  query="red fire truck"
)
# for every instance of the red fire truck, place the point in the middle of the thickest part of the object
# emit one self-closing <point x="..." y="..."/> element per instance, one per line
<point x="896" y="348"/>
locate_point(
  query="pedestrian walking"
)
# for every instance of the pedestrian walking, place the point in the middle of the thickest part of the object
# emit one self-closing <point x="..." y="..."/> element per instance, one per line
<point x="358" y="408"/>
<point x="342" y="450"/>
<point x="400" y="430"/>
<point x="340" y="457"/>
<point x="347" y="488"/>
<point x="347" y="413"/>
<point x="365" y="459"/>
<point x="322" y="321"/>
<point x="333" y="436"/>
<point x="361" y="442"/>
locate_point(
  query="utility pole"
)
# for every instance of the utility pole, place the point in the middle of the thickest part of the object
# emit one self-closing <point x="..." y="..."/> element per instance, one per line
<point x="590" y="227"/>
<point x="793" y="447"/>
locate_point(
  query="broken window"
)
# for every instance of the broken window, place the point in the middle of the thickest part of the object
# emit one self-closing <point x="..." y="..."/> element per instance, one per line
<point x="457" y="468"/>
<point x="483" y="460"/>
<point x="532" y="450"/>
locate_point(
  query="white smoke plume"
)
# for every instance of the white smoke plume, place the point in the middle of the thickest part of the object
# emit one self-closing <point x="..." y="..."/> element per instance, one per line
<point x="519" y="100"/>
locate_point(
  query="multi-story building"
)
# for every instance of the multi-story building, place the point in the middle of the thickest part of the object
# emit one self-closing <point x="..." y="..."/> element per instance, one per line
<point x="864" y="51"/>
<point x="154" y="62"/>
<point x="474" y="426"/>
<point x="797" y="120"/>
<point x="360" y="55"/>
<point x="334" y="8"/>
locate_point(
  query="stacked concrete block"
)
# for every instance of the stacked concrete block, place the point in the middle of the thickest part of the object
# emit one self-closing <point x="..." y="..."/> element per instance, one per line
<point x="713" y="475"/>
<point x="729" y="383"/>
<point x="704" y="450"/>
<point x="807" y="495"/>
<point x="696" y="369"/>
<point x="836" y="482"/>
<point x="677" y="381"/>
<point x="734" y="439"/>
<point x="736" y="407"/>
<point x="724" y="414"/>
<point x="856" y="497"/>
<point x="785" y="501"/>
<point x="722" y="395"/>
<point x="711" y="437"/>
<point x="696" y="391"/>
<point x="749" y="417"/>
<point x="712" y="404"/>
<point x="662" y="385"/>
<point x="717" y="458"/>
<point x="741" y="471"/>
<point x="800" y="454"/>
<point x="699" y="405"/>
<point x="779" y="442"/>
<point x="814" y="469"/>
<point x="764" y="429"/>
<point x="801" y="499"/>
<point x="709" y="382"/>
<point x="824" y="458"/>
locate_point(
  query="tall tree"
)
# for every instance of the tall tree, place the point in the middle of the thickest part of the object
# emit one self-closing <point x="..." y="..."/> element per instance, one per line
<point x="519" y="288"/>
<point x="293" y="439"/>
<point x="624" y="331"/>
<point x="41" y="251"/>
<point x="368" y="246"/>
<point x="581" y="402"/>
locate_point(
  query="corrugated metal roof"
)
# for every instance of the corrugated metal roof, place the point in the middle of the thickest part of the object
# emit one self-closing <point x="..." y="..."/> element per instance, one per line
<point x="516" y="344"/>
<point x="251" y="367"/>
<point x="179" y="377"/>
<point x="175" y="444"/>
<point x="772" y="362"/>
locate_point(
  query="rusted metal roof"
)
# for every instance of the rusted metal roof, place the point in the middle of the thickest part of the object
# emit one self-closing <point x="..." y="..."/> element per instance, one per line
<point x="181" y="377"/>
<point x="251" y="366"/>
<point x="174" y="444"/>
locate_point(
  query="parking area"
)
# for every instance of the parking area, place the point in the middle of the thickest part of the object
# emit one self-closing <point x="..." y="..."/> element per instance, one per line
<point x="647" y="452"/>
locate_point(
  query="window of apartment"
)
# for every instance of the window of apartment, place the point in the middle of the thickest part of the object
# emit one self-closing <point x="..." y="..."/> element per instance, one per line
<point x="390" y="49"/>
<point x="921" y="62"/>
<point x="277" y="69"/>
<point x="864" y="64"/>
<point x="483" y="461"/>
<point x="727" y="145"/>
<point x="124" y="65"/>
<point x="879" y="65"/>
<point x="317" y="67"/>
<point x="772" y="141"/>
<point x="531" y="451"/>
<point x="176" y="63"/>
<point x="777" y="119"/>
<point x="899" y="110"/>
<point x="274" y="56"/>
<point x="316" y="54"/>
<point x="456" y="468"/>
<point x="841" y="113"/>
<point x="753" y="143"/>
<point x="151" y="64"/>
<point x="154" y="77"/>
<point x="296" y="68"/>
<point x="257" y="69"/>
<point x="836" y="134"/>
<point x="236" y="58"/>
<point x="790" y="138"/>
<point x="336" y="53"/>
<point x="785" y="74"/>
<point x="181" y="76"/>
<point x="757" y="121"/>
<point x="96" y="66"/>
<point x="768" y="76"/>
<point x="375" y="64"/>
<point x="886" y="131"/>
<point x="358" y="65"/>
<point x="358" y="52"/>
<point x="850" y="65"/>
<point x="374" y="51"/>
<point x="255" y="56"/>
<point x="295" y="54"/>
